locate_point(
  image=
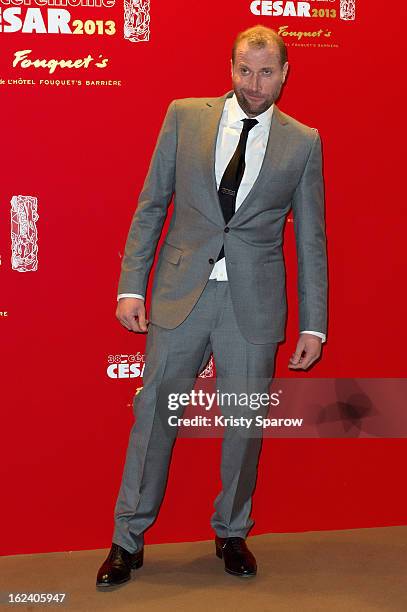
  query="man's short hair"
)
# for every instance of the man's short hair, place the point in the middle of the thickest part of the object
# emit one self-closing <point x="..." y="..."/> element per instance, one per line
<point x="259" y="36"/>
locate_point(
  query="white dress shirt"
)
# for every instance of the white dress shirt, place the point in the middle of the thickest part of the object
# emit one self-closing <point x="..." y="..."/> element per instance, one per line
<point x="230" y="128"/>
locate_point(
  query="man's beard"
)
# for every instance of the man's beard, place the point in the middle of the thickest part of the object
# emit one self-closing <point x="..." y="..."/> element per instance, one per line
<point x="245" y="104"/>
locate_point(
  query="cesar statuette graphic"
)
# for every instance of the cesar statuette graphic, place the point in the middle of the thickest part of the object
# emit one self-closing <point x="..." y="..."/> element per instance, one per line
<point x="236" y="165"/>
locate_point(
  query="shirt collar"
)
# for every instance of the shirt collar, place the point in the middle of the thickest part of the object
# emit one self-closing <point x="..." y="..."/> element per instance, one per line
<point x="234" y="113"/>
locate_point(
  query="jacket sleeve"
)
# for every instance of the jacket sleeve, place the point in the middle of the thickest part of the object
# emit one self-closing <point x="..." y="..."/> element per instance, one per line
<point x="149" y="216"/>
<point x="309" y="227"/>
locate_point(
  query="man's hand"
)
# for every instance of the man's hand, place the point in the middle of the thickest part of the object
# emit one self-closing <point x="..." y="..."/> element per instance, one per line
<point x="308" y="350"/>
<point x="131" y="313"/>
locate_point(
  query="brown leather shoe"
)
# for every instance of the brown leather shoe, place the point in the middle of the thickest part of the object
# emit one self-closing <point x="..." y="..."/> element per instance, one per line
<point x="238" y="559"/>
<point x="116" y="569"/>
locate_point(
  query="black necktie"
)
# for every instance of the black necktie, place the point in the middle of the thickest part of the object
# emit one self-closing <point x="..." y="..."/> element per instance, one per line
<point x="232" y="176"/>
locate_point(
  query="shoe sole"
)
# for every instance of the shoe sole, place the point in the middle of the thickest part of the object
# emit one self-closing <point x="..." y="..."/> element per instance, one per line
<point x="240" y="575"/>
<point x="111" y="586"/>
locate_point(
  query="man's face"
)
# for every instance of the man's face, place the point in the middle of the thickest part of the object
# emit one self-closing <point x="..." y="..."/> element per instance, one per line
<point x="257" y="77"/>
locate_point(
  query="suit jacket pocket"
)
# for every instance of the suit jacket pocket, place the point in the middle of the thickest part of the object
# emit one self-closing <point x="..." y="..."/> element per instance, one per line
<point x="171" y="253"/>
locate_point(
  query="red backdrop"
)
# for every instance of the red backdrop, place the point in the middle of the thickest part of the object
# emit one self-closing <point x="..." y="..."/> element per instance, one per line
<point x="83" y="152"/>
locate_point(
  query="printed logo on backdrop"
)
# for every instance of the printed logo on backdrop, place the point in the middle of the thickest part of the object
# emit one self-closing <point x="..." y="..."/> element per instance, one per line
<point x="24" y="236"/>
<point x="125" y="366"/>
<point x="132" y="366"/>
<point x="328" y="13"/>
<point x="88" y="20"/>
<point x="137" y="20"/>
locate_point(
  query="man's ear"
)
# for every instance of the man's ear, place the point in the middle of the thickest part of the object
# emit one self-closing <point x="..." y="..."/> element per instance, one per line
<point x="285" y="70"/>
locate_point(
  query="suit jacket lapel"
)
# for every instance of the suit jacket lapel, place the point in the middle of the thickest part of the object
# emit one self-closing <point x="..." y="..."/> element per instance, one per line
<point x="210" y="118"/>
<point x="275" y="149"/>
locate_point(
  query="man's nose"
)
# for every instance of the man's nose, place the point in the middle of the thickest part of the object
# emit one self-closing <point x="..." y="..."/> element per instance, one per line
<point x="254" y="83"/>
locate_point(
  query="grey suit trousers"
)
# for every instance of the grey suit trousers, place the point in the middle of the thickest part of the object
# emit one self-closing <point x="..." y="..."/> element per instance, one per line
<point x="174" y="358"/>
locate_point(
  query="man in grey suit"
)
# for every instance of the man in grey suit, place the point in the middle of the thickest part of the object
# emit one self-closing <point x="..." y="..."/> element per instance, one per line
<point x="236" y="165"/>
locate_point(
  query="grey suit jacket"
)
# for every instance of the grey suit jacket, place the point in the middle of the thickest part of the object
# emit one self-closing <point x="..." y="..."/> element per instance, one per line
<point x="183" y="166"/>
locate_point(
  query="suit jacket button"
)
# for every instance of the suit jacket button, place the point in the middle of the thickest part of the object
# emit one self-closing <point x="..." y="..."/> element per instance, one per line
<point x="211" y="261"/>
<point x="226" y="229"/>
